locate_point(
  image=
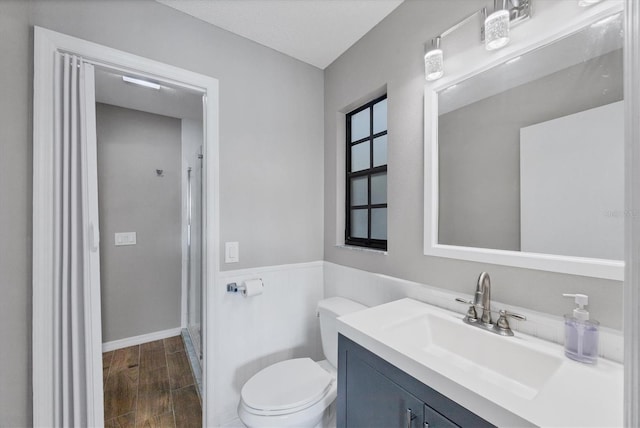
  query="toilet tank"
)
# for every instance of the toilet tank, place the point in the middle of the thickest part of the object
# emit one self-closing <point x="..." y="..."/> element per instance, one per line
<point x="328" y="311"/>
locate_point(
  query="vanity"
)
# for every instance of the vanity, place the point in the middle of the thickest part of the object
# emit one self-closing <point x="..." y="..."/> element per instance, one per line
<point x="408" y="364"/>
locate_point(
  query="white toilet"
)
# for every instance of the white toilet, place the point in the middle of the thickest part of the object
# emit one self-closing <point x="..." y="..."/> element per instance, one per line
<point x="299" y="392"/>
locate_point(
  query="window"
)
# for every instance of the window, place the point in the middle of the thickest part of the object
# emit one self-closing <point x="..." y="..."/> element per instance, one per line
<point x="366" y="204"/>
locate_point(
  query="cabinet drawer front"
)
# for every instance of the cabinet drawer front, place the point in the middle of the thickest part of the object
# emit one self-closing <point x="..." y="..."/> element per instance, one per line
<point x="433" y="419"/>
<point x="373" y="393"/>
<point x="374" y="401"/>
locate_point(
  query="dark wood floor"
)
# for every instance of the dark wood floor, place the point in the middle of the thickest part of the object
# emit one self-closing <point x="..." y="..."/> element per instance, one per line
<point x="150" y="385"/>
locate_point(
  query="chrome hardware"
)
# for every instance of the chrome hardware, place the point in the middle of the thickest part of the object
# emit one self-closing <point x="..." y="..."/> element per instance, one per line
<point x="502" y="325"/>
<point x="410" y="417"/>
<point x="482" y="300"/>
<point x="483" y="296"/>
<point x="471" y="312"/>
<point x="235" y="288"/>
<point x="425" y="425"/>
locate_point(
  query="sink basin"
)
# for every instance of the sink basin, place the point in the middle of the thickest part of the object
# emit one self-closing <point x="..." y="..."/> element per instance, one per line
<point x="476" y="353"/>
<point x="509" y="381"/>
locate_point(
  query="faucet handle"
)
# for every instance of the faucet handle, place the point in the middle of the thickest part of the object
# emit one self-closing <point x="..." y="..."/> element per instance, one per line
<point x="471" y="312"/>
<point x="460" y="300"/>
<point x="502" y="325"/>
<point x="505" y="313"/>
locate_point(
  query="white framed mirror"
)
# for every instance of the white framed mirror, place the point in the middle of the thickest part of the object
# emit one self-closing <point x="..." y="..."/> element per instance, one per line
<point x="524" y="155"/>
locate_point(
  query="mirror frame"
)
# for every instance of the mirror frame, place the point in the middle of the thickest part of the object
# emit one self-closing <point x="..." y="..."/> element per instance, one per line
<point x="591" y="267"/>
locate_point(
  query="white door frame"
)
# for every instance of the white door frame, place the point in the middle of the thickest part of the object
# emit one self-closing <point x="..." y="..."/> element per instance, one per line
<point x="631" y="305"/>
<point x="46" y="43"/>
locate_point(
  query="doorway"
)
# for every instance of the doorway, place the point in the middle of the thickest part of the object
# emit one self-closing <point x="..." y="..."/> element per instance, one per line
<point x="45" y="387"/>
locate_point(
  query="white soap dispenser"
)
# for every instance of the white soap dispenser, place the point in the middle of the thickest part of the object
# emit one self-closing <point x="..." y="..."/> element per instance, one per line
<point x="580" y="332"/>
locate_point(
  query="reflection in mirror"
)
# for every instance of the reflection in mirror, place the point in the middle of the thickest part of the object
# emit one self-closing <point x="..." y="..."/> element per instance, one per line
<point x="531" y="154"/>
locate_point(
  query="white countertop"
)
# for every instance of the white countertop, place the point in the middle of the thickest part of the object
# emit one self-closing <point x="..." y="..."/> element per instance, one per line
<point x="573" y="395"/>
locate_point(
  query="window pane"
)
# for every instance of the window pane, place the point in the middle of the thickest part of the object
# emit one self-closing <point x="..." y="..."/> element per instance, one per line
<point x="359" y="191"/>
<point x="359" y="223"/>
<point x="379" y="188"/>
<point x="380" y="151"/>
<point x="360" y="125"/>
<point x="360" y="157"/>
<point x="379" y="223"/>
<point x="380" y="116"/>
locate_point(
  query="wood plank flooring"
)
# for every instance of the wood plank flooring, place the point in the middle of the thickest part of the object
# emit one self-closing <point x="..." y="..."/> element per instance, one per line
<point x="150" y="385"/>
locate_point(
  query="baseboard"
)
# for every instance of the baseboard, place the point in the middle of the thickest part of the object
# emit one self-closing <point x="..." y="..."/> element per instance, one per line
<point x="137" y="340"/>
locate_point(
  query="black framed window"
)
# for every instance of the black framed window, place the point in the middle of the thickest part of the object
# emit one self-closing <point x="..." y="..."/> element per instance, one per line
<point x="366" y="203"/>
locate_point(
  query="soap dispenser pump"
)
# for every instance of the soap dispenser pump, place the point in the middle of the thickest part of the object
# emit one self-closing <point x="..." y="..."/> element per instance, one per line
<point x="580" y="332"/>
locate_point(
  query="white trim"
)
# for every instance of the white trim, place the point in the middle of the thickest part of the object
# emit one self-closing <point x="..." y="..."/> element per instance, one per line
<point x="42" y="334"/>
<point x="46" y="43"/>
<point x="138" y="340"/>
<point x="598" y="268"/>
<point x="266" y="269"/>
<point x="632" y="223"/>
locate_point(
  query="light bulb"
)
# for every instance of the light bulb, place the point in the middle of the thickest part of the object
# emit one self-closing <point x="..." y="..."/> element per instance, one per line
<point x="496" y="28"/>
<point x="433" y="64"/>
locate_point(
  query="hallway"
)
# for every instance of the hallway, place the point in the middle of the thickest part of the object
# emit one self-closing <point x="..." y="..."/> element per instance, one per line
<point x="150" y="385"/>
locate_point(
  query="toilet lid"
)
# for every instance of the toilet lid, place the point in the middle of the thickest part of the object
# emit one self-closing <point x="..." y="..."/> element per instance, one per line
<point x="286" y="385"/>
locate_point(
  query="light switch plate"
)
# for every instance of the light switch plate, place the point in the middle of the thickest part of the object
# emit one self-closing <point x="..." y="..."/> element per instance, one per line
<point x="231" y="252"/>
<point x="125" y="238"/>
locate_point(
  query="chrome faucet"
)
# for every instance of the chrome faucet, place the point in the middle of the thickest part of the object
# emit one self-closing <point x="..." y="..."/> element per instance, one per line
<point x="482" y="300"/>
<point x="483" y="297"/>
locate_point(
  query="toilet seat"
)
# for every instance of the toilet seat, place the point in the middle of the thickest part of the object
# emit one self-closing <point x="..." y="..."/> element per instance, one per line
<point x="286" y="387"/>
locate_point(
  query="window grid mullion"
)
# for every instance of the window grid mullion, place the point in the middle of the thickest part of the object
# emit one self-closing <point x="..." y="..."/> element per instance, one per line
<point x="368" y="241"/>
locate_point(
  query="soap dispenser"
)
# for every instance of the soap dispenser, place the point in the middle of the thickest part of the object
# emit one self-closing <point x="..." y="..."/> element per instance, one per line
<point x="580" y="332"/>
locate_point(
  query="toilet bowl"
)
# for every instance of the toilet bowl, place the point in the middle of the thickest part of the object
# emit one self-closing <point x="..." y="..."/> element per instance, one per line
<point x="299" y="392"/>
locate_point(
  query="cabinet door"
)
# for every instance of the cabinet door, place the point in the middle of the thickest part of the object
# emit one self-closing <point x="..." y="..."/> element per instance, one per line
<point x="433" y="419"/>
<point x="375" y="401"/>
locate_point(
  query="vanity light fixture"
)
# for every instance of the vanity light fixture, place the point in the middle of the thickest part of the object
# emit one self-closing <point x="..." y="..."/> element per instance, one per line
<point x="434" y="61"/>
<point x="496" y="27"/>
<point x="141" y="82"/>
<point x="494" y="31"/>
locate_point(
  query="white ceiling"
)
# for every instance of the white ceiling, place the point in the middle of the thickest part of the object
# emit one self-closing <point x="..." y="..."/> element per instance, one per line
<point x="314" y="31"/>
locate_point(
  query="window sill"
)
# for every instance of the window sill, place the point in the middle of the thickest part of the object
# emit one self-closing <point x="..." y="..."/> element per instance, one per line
<point x="363" y="249"/>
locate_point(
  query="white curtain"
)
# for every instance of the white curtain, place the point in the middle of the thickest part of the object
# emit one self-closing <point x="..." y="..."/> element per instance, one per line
<point x="77" y="341"/>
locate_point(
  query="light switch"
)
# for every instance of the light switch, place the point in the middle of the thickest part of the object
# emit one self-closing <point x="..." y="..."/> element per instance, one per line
<point x="125" y="238"/>
<point x="231" y="252"/>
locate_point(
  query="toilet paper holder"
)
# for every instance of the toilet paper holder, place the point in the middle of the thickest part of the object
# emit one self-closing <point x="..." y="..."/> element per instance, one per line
<point x="235" y="288"/>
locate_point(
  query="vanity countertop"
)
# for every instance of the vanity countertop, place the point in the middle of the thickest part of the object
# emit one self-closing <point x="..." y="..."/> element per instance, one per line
<point x="509" y="381"/>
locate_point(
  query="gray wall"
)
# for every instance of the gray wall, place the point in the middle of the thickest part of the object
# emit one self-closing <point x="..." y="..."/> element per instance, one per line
<point x="140" y="284"/>
<point x="270" y="136"/>
<point x="392" y="55"/>
<point x="480" y="161"/>
<point x="15" y="214"/>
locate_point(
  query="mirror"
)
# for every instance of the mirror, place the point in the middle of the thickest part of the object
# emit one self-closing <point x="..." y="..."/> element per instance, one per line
<point x="528" y="158"/>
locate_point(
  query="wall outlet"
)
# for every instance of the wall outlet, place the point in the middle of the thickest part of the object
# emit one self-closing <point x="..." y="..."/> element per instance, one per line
<point x="231" y="252"/>
<point x="125" y="238"/>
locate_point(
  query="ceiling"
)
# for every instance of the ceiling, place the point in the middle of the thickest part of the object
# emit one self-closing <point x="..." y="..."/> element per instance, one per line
<point x="169" y="100"/>
<point x="313" y="31"/>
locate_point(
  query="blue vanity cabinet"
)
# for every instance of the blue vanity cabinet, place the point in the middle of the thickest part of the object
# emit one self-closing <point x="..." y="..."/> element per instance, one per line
<point x="373" y="393"/>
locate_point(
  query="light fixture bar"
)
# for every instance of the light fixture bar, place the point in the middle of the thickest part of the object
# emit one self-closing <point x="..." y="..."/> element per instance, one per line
<point x="141" y="82"/>
<point x="460" y="23"/>
<point x="494" y="31"/>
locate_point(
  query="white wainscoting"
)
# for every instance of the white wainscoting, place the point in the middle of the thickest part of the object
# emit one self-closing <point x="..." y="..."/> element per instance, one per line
<point x="255" y="332"/>
<point x="281" y="323"/>
<point x="373" y="289"/>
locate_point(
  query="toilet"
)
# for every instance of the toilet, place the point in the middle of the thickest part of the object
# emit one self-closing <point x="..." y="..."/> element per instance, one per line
<point x="299" y="392"/>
